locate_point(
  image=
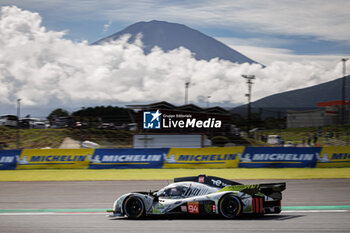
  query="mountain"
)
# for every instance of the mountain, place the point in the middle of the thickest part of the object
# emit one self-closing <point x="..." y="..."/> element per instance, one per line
<point x="300" y="99"/>
<point x="169" y="36"/>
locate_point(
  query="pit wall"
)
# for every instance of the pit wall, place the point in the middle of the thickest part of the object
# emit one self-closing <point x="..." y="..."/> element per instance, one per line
<point x="212" y="157"/>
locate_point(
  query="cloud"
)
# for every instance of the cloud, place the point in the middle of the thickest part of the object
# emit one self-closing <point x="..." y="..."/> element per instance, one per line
<point x="266" y="55"/>
<point x="323" y="20"/>
<point x="107" y="26"/>
<point x="44" y="69"/>
<point x="326" y="20"/>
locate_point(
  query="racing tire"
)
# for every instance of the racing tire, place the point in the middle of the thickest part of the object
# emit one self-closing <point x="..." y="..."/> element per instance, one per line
<point x="229" y="206"/>
<point x="134" y="207"/>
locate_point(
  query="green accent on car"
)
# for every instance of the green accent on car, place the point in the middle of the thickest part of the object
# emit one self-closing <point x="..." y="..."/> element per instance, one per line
<point x="254" y="187"/>
<point x="251" y="189"/>
<point x="158" y="209"/>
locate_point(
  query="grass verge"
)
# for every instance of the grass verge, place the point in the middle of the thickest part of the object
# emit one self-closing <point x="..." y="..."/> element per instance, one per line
<point x="169" y="174"/>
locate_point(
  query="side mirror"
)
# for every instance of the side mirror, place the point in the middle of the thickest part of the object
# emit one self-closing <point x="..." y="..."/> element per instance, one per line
<point x="156" y="199"/>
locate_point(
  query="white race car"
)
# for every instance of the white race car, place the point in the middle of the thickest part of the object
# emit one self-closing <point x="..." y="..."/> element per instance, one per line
<point x="202" y="195"/>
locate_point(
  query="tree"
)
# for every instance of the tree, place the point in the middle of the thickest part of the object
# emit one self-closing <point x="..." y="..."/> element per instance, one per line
<point x="59" y="112"/>
<point x="219" y="140"/>
<point x="107" y="114"/>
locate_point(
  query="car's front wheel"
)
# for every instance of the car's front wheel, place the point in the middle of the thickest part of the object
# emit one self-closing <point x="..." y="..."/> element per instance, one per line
<point x="134" y="207"/>
<point x="229" y="206"/>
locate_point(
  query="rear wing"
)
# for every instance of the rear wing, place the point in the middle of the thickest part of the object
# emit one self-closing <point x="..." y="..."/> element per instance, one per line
<point x="273" y="190"/>
<point x="272" y="187"/>
<point x="208" y="180"/>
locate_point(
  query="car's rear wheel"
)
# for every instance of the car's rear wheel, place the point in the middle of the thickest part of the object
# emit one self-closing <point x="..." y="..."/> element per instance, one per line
<point x="134" y="207"/>
<point x="229" y="206"/>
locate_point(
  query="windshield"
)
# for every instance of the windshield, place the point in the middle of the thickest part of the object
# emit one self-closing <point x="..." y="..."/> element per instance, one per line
<point x="185" y="189"/>
<point x="173" y="191"/>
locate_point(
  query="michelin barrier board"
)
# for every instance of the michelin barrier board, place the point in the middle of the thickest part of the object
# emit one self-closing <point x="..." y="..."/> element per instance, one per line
<point x="54" y="158"/>
<point x="338" y="156"/>
<point x="213" y="157"/>
<point x="128" y="158"/>
<point x="279" y="157"/>
<point x="8" y="159"/>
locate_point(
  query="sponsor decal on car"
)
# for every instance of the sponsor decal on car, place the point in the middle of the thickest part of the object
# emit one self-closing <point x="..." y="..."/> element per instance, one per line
<point x="193" y="207"/>
<point x="201" y="179"/>
<point x="218" y="183"/>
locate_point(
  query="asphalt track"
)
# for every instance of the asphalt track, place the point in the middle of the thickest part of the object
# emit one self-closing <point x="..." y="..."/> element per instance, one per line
<point x="99" y="195"/>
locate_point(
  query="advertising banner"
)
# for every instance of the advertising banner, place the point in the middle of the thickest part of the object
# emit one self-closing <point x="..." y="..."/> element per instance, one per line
<point x="8" y="159"/>
<point x="128" y="158"/>
<point x="54" y="158"/>
<point x="279" y="157"/>
<point x="334" y="156"/>
<point x="213" y="157"/>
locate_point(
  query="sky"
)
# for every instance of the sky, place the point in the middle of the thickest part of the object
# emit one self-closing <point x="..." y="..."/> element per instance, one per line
<point x="47" y="62"/>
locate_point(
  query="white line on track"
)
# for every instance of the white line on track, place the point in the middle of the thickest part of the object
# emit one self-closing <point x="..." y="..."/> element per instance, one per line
<point x="104" y="213"/>
<point x="57" y="213"/>
<point x="315" y="211"/>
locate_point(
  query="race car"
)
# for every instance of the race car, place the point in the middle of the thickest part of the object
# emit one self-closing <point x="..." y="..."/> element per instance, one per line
<point x="202" y="195"/>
